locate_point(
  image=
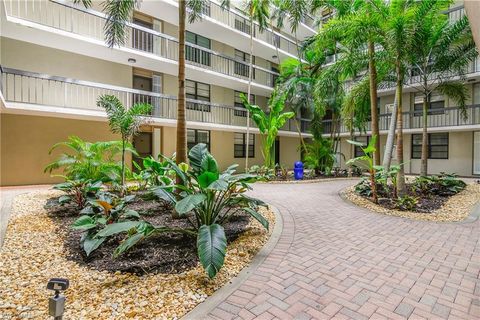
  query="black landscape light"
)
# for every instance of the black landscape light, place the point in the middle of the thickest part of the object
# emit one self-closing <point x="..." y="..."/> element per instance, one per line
<point x="56" y="304"/>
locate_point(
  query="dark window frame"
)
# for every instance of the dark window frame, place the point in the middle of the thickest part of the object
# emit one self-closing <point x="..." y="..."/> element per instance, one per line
<point x="196" y="131"/>
<point x="416" y="149"/>
<point x="196" y="96"/>
<point x="357" y="152"/>
<point x="243" y="146"/>
<point x="197" y="55"/>
<point x="239" y="107"/>
<point x="240" y="68"/>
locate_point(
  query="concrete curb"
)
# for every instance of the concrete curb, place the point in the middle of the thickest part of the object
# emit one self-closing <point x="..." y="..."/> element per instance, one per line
<point x="308" y="180"/>
<point x="203" y="309"/>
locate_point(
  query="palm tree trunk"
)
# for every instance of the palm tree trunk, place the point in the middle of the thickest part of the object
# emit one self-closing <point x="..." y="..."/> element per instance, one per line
<point x="302" y="141"/>
<point x="373" y="100"/>
<point x="401" y="187"/>
<point x="181" y="150"/>
<point x="424" y="162"/>
<point x="250" y="73"/>
<point x="123" y="164"/>
<point x="387" y="155"/>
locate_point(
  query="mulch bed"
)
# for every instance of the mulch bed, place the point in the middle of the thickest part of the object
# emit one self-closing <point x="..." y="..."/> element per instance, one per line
<point x="164" y="253"/>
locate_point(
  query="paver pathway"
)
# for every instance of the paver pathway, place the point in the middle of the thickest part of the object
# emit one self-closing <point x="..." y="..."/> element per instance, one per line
<point x="334" y="260"/>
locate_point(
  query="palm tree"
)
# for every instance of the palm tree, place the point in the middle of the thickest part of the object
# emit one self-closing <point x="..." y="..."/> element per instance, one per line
<point x="257" y="11"/>
<point x="125" y="121"/>
<point x="445" y="51"/>
<point x="120" y="12"/>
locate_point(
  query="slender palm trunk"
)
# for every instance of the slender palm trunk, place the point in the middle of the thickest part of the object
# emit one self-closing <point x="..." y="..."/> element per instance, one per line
<point x="250" y="74"/>
<point x="387" y="155"/>
<point x="424" y="161"/>
<point x="401" y="187"/>
<point x="181" y="150"/>
<point x="123" y="164"/>
<point x="299" y="130"/>
<point x="373" y="100"/>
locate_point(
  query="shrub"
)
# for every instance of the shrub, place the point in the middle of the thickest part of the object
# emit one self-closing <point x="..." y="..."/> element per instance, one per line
<point x="443" y="184"/>
<point x="262" y="171"/>
<point x="406" y="203"/>
<point x="320" y="155"/>
<point x="78" y="191"/>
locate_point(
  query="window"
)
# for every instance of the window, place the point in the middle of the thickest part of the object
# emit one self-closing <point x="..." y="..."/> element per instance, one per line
<point x="197" y="91"/>
<point x="240" y="142"/>
<point x="197" y="55"/>
<point x="437" y="146"/>
<point x="358" y="151"/>
<point x="436" y="106"/>
<point x="242" y="67"/>
<point x="142" y="40"/>
<point x="240" y="110"/>
<point x="242" y="25"/>
<point x="195" y="136"/>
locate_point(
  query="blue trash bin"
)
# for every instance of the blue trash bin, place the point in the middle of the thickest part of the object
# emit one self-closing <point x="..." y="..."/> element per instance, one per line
<point x="298" y="170"/>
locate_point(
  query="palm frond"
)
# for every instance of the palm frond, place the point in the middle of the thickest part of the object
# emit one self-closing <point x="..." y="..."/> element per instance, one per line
<point x="119" y="12"/>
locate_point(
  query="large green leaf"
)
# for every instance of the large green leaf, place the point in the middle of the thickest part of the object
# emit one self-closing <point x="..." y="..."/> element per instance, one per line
<point x="84" y="223"/>
<point x="219" y="185"/>
<point x="189" y="202"/>
<point x="211" y="246"/>
<point x="258" y="217"/>
<point x="209" y="164"/>
<point x="163" y="194"/>
<point x="128" y="243"/>
<point x="90" y="244"/>
<point x="206" y="178"/>
<point x="196" y="155"/>
<point x="115" y="228"/>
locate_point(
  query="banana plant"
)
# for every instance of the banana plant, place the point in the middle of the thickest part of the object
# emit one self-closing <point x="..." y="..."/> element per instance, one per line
<point x="269" y="123"/>
<point x="367" y="160"/>
<point x="208" y="198"/>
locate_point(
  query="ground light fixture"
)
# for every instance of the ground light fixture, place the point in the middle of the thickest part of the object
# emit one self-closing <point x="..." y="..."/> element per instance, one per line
<point x="56" y="304"/>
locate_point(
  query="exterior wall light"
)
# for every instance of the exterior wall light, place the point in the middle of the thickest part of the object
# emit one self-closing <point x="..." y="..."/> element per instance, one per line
<point x="132" y="60"/>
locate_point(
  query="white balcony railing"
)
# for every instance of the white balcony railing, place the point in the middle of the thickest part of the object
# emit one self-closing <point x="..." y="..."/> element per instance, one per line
<point x="33" y="88"/>
<point x="89" y="23"/>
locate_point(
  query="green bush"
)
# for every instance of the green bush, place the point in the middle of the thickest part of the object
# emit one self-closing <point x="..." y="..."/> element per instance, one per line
<point x="406" y="203"/>
<point x="262" y="171"/>
<point x="443" y="184"/>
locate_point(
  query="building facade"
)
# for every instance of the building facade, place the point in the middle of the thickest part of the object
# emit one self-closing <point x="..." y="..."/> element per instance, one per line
<point x="454" y="141"/>
<point x="55" y="64"/>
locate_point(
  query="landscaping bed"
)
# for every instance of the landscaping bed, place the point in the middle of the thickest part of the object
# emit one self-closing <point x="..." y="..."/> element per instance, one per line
<point x="449" y="208"/>
<point x="162" y="278"/>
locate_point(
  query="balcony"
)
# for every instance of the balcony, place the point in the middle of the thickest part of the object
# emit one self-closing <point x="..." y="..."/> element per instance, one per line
<point x="90" y="24"/>
<point x="413" y="121"/>
<point x="34" y="91"/>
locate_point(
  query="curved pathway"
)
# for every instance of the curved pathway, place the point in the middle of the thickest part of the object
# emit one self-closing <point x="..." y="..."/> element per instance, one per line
<point x="334" y="260"/>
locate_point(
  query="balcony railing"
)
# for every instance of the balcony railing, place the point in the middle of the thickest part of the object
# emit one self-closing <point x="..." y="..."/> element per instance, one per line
<point x="448" y="117"/>
<point x="89" y="23"/>
<point x="39" y="89"/>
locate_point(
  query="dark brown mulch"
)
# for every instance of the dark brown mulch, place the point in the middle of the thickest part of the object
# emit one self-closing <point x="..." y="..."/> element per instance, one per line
<point x="164" y="253"/>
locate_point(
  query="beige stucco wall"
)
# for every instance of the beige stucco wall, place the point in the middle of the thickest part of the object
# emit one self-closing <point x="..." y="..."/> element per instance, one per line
<point x="26" y="140"/>
<point x="472" y="8"/>
<point x="29" y="57"/>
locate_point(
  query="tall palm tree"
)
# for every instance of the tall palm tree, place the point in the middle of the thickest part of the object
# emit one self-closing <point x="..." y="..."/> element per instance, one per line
<point x="446" y="50"/>
<point x="120" y="12"/>
<point x="258" y="13"/>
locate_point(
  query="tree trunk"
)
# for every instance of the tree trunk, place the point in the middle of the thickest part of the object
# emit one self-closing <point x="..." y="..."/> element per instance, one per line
<point x="181" y="148"/>
<point x="250" y="74"/>
<point x="424" y="162"/>
<point x="373" y="100"/>
<point x="401" y="187"/>
<point x="123" y="166"/>
<point x="387" y="155"/>
<point x="302" y="141"/>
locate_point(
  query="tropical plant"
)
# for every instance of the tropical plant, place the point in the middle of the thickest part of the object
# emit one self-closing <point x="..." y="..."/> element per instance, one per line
<point x="155" y="173"/>
<point x="368" y="161"/>
<point x="93" y="161"/>
<point x="212" y="197"/>
<point x="262" y="171"/>
<point x="406" y="203"/>
<point x="281" y="172"/>
<point x="320" y="155"/>
<point x="125" y="121"/>
<point x="78" y="191"/>
<point x="446" y="50"/>
<point x="384" y="174"/>
<point x="269" y="123"/>
<point x="443" y="184"/>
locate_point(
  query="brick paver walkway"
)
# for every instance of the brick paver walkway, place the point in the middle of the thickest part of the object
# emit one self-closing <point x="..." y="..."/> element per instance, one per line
<point x="334" y="260"/>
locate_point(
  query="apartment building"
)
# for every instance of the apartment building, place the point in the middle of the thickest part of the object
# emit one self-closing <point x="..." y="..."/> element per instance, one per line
<point x="55" y="64"/>
<point x="454" y="142"/>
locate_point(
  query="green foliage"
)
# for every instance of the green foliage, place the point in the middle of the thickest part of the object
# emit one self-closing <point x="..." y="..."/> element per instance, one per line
<point x="78" y="191"/>
<point x="406" y="203"/>
<point x="211" y="197"/>
<point x="282" y="172"/>
<point x="97" y="161"/>
<point x="443" y="184"/>
<point x="124" y="121"/>
<point x="155" y="173"/>
<point x="269" y="123"/>
<point x="367" y="160"/>
<point x="262" y="171"/>
<point x="320" y="155"/>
